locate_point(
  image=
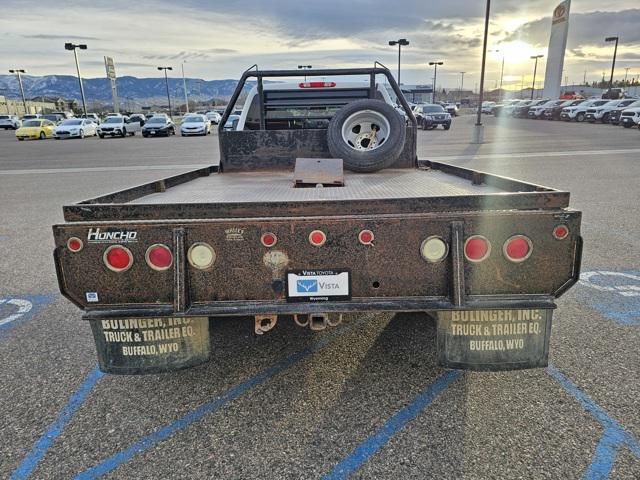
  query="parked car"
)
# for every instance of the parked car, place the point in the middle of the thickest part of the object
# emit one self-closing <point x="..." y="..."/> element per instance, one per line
<point x="214" y="117"/>
<point x="54" y="117"/>
<point x="451" y="108"/>
<point x="505" y="108"/>
<point x="30" y="116"/>
<point x="159" y="125"/>
<point x="553" y="113"/>
<point x="10" y="121"/>
<point x="537" y="112"/>
<point x="94" y="117"/>
<point x="522" y="110"/>
<point x="195" y="125"/>
<point x="38" y="128"/>
<point x="119" y="126"/>
<point x="579" y="112"/>
<point x="63" y="115"/>
<point x="614" y="115"/>
<point x="430" y="115"/>
<point x="138" y="117"/>
<point x="232" y="123"/>
<point x="601" y="113"/>
<point x="630" y="117"/>
<point x="487" y="107"/>
<point x="75" y="128"/>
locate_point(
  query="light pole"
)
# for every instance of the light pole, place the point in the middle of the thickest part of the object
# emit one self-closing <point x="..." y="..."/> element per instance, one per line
<point x="435" y="78"/>
<point x="305" y="67"/>
<point x="613" y="64"/>
<point x="626" y="72"/>
<point x="461" y="84"/>
<point x="501" y="69"/>
<point x="24" y="101"/>
<point x="166" y="83"/>
<point x="72" y="46"/>
<point x="479" y="132"/>
<point x="535" y="70"/>
<point x="401" y="42"/>
<point x="184" y="85"/>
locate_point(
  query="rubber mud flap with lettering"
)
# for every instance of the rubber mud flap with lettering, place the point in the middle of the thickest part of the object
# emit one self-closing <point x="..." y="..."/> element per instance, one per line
<point x="135" y="346"/>
<point x="494" y="339"/>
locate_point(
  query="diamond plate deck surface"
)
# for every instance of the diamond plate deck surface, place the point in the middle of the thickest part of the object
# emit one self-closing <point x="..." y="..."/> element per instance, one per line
<point x="278" y="187"/>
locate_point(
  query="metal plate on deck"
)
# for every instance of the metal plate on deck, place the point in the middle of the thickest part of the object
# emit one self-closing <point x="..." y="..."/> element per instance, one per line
<point x="311" y="172"/>
<point x="494" y="339"/>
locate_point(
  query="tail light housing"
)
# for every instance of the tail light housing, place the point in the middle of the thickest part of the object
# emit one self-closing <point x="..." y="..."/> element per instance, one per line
<point x="268" y="239"/>
<point x="560" y="232"/>
<point x="477" y="248"/>
<point x="74" y="244"/>
<point x="365" y="237"/>
<point x="317" y="238"/>
<point x="316" y="84"/>
<point x="201" y="256"/>
<point x="434" y="249"/>
<point x="159" y="257"/>
<point x="118" y="258"/>
<point x="517" y="248"/>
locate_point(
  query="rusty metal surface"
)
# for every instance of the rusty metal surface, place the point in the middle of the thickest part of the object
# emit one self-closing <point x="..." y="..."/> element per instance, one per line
<point x="310" y="172"/>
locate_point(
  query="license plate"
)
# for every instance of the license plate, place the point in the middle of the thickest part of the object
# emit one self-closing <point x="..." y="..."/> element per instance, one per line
<point x="318" y="285"/>
<point x="152" y="132"/>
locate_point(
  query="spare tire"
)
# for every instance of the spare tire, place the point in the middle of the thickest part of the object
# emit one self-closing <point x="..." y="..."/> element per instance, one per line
<point x="367" y="134"/>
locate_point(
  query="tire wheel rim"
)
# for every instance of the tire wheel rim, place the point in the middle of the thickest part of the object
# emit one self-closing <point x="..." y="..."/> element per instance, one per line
<point x="365" y="130"/>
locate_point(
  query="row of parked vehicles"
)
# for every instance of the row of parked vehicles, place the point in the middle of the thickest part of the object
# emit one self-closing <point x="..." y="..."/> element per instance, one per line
<point x="625" y="111"/>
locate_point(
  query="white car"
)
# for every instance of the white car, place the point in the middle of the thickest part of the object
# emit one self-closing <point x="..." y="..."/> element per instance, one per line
<point x="487" y="107"/>
<point x="601" y="114"/>
<point x="195" y="125"/>
<point x="119" y="126"/>
<point x="579" y="112"/>
<point x="75" y="127"/>
<point x="10" y="121"/>
<point x="214" y="117"/>
<point x="630" y="117"/>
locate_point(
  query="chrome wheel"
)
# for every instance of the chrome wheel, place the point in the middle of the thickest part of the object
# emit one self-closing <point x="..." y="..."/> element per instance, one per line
<point x="365" y="130"/>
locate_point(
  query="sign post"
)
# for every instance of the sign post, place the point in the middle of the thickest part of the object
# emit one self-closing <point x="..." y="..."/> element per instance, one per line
<point x="557" y="46"/>
<point x="111" y="75"/>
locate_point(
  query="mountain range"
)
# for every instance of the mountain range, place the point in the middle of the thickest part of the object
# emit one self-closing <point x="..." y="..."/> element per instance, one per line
<point x="145" y="90"/>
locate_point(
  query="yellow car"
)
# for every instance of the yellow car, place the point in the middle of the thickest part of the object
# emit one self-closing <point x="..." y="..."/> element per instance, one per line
<point x="39" y="128"/>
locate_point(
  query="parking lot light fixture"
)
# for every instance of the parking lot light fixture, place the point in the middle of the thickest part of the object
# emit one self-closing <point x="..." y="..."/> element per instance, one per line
<point x="166" y="84"/>
<point x="535" y="69"/>
<point x="401" y="42"/>
<point x="478" y="132"/>
<point x="613" y="64"/>
<point x="184" y="85"/>
<point x="75" y="47"/>
<point x="305" y="67"/>
<point x="18" y="71"/>
<point x="435" y="78"/>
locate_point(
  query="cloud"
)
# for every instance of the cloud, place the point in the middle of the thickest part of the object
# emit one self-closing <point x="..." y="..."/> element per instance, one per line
<point x="42" y="36"/>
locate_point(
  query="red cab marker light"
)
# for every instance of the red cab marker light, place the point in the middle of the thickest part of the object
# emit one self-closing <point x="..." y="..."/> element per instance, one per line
<point x="118" y="258"/>
<point x="366" y="237"/>
<point x="317" y="238"/>
<point x="74" y="244"/>
<point x="268" y="239"/>
<point x="477" y="248"/>
<point x="517" y="248"/>
<point x="316" y="84"/>
<point x="159" y="257"/>
<point x="560" y="232"/>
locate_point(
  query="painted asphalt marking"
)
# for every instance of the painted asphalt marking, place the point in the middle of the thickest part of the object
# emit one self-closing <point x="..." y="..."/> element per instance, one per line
<point x="39" y="450"/>
<point x="616" y="295"/>
<point x="614" y="437"/>
<point x="507" y="156"/>
<point x="124" y="168"/>
<point x="15" y="310"/>
<point x="195" y="415"/>
<point x="374" y="443"/>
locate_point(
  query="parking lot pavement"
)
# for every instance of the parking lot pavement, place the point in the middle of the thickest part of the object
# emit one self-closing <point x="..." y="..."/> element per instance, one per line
<point x="364" y="399"/>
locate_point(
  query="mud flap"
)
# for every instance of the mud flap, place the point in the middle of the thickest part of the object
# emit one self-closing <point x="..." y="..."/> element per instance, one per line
<point x="494" y="339"/>
<point x="135" y="346"/>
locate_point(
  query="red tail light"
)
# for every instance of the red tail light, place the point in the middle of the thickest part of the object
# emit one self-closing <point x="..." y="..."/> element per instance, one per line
<point x="159" y="257"/>
<point x="517" y="248"/>
<point x="561" y="232"/>
<point x="118" y="258"/>
<point x="477" y="248"/>
<point x="268" y="239"/>
<point x="366" y="237"/>
<point x="316" y="84"/>
<point x="74" y="244"/>
<point x="317" y="238"/>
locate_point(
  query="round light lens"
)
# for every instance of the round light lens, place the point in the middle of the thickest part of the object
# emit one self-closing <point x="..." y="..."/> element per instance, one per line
<point x="201" y="255"/>
<point x="74" y="244"/>
<point x="517" y="248"/>
<point x="434" y="249"/>
<point x="118" y="258"/>
<point x="317" y="238"/>
<point x="159" y="257"/>
<point x="477" y="248"/>
<point x="561" y="232"/>
<point x="269" y="239"/>
<point x="366" y="237"/>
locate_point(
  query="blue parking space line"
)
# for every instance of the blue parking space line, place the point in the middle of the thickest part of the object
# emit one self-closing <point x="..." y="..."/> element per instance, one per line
<point x="614" y="437"/>
<point x="39" y="450"/>
<point x="396" y="423"/>
<point x="164" y="433"/>
<point x="605" y="456"/>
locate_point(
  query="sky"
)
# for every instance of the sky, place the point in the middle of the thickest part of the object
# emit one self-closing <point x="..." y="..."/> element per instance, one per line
<point x="219" y="39"/>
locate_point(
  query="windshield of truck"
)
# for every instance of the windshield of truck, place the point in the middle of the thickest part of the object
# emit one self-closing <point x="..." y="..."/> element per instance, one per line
<point x="432" y="109"/>
<point x="4" y="117"/>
